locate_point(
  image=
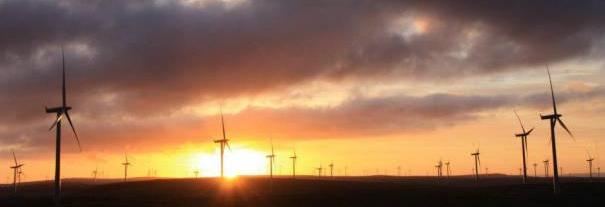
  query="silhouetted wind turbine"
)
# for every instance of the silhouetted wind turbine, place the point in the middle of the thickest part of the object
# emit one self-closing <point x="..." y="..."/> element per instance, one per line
<point x="195" y="173"/>
<point x="589" y="160"/>
<point x="554" y="118"/>
<point x="294" y="157"/>
<point x="477" y="164"/>
<point x="439" y="166"/>
<point x="546" y="165"/>
<point x="61" y="111"/>
<point x="271" y="158"/>
<point x="223" y="142"/>
<point x="447" y="169"/>
<point x="331" y="170"/>
<point x="319" y="170"/>
<point x="16" y="172"/>
<point x="523" y="135"/>
<point x="126" y="164"/>
<point x="535" y="169"/>
<point x="94" y="174"/>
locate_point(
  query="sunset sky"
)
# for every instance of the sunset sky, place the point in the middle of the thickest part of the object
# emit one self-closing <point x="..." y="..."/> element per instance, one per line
<point x="370" y="85"/>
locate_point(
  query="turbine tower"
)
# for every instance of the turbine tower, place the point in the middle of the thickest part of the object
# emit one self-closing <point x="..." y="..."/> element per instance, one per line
<point x="546" y="165"/>
<point x="523" y="135"/>
<point x="16" y="172"/>
<point x="223" y="142"/>
<point x="271" y="158"/>
<point x="477" y="163"/>
<point x="61" y="112"/>
<point x="319" y="170"/>
<point x="126" y="164"/>
<point x="535" y="169"/>
<point x="554" y="118"/>
<point x="294" y="157"/>
<point x="331" y="170"/>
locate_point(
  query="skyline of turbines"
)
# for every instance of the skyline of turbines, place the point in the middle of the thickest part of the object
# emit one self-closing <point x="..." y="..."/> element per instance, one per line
<point x="62" y="113"/>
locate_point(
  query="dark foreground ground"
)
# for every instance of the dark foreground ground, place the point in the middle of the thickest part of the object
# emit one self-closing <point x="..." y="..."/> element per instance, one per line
<point x="307" y="191"/>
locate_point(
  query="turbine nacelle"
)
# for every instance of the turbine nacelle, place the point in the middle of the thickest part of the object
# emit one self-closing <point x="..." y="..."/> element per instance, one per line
<point x="550" y="116"/>
<point x="58" y="109"/>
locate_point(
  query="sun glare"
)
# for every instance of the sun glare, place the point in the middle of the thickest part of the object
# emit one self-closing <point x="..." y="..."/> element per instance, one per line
<point x="237" y="162"/>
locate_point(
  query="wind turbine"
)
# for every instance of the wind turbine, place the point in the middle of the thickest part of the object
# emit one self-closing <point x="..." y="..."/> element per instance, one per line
<point x="319" y="170"/>
<point x="294" y="157"/>
<point x="223" y="142"/>
<point x="331" y="170"/>
<point x="589" y="160"/>
<point x="477" y="164"/>
<point x="126" y="164"/>
<point x="546" y="165"/>
<point x="16" y="172"/>
<point x="439" y="166"/>
<point x="554" y="118"/>
<point x="271" y="158"/>
<point x="94" y="174"/>
<point x="523" y="135"/>
<point x="196" y="172"/>
<point x="61" y="112"/>
<point x="535" y="170"/>
<point x="447" y="169"/>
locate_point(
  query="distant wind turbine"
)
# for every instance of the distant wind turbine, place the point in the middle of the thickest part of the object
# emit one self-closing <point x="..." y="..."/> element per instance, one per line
<point x="523" y="135"/>
<point x="535" y="169"/>
<point x="62" y="112"/>
<point x="223" y="142"/>
<point x="447" y="169"/>
<point x="294" y="157"/>
<point x="439" y="168"/>
<point x="16" y="172"/>
<point x="554" y="118"/>
<point x="319" y="170"/>
<point x="195" y="173"/>
<point x="331" y="170"/>
<point x="546" y="166"/>
<point x="589" y="160"/>
<point x="126" y="164"/>
<point x="477" y="163"/>
<point x="94" y="174"/>
<point x="271" y="158"/>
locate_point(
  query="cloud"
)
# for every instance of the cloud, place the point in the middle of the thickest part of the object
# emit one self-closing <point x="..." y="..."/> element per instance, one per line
<point x="139" y="60"/>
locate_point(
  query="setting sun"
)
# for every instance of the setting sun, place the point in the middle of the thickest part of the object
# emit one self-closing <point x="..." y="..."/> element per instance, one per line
<point x="238" y="161"/>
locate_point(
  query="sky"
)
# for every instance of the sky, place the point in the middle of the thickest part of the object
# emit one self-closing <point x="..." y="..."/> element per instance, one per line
<point x="366" y="85"/>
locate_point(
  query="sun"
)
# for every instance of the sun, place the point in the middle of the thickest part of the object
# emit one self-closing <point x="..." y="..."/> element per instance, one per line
<point x="238" y="161"/>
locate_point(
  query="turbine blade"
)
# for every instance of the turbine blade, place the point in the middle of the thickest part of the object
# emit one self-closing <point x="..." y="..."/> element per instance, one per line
<point x="55" y="123"/>
<point x="74" y="130"/>
<point x="529" y="132"/>
<point x="552" y="92"/>
<point x="520" y="123"/>
<point x="227" y="143"/>
<point x="526" y="149"/>
<point x="63" y="80"/>
<point x="15" y="157"/>
<point x="479" y="160"/>
<point x="223" y="123"/>
<point x="566" y="129"/>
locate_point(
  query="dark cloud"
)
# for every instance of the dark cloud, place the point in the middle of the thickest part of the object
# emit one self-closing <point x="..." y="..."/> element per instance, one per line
<point x="144" y="58"/>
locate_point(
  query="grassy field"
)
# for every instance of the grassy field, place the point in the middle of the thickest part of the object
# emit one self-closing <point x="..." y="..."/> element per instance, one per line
<point x="494" y="190"/>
